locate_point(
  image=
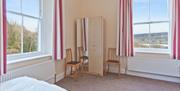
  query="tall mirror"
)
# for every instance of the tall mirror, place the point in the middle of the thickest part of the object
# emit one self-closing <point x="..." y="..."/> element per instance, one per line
<point x="82" y="43"/>
<point x="90" y="45"/>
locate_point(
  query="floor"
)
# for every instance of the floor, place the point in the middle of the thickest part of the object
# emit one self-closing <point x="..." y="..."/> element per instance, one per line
<point x="112" y="82"/>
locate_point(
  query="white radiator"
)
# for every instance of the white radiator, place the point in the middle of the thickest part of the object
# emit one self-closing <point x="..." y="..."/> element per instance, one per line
<point x="43" y="71"/>
<point x="154" y="66"/>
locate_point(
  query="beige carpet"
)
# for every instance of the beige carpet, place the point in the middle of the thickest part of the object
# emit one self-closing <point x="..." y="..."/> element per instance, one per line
<point x="113" y="83"/>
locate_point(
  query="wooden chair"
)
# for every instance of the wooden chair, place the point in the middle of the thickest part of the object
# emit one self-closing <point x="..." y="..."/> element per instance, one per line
<point x="80" y="51"/>
<point x="112" y="59"/>
<point x="82" y="58"/>
<point x="70" y="63"/>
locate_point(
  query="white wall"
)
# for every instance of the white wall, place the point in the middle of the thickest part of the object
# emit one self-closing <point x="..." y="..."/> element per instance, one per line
<point x="42" y="69"/>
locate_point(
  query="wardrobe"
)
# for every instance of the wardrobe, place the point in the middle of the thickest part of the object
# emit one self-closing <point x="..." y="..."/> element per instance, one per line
<point x="90" y="36"/>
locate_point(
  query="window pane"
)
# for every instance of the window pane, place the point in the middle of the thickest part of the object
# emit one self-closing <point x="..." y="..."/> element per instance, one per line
<point x="30" y="35"/>
<point x="14" y="33"/>
<point x="159" y="35"/>
<point x="140" y="10"/>
<point x="159" y="10"/>
<point x="31" y="7"/>
<point x="14" y="5"/>
<point x="141" y="36"/>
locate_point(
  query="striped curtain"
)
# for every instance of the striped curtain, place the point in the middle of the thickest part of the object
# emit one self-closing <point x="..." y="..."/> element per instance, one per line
<point x="176" y="29"/>
<point x="58" y="30"/>
<point x="124" y="29"/>
<point x="3" y="61"/>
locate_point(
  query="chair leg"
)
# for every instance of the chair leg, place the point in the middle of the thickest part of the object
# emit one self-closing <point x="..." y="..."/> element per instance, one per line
<point x="75" y="73"/>
<point x="79" y="68"/>
<point x="108" y="68"/>
<point x="65" y="70"/>
<point x="119" y="69"/>
<point x="83" y="67"/>
<point x="71" y="70"/>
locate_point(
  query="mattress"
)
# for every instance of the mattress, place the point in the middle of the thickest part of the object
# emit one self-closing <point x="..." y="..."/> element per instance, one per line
<point x="28" y="84"/>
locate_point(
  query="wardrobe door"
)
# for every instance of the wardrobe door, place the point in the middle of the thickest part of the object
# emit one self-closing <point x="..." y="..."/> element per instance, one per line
<point x="95" y="45"/>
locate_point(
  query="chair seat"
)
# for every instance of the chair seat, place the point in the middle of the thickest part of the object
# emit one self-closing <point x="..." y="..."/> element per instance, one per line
<point x="73" y="62"/>
<point x="84" y="57"/>
<point x="113" y="61"/>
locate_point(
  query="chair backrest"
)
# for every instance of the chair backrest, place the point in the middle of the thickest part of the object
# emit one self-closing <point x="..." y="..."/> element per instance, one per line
<point x="112" y="54"/>
<point x="68" y="55"/>
<point x="80" y="51"/>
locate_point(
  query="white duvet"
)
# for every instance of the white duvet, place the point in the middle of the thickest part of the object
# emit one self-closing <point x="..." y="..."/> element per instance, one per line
<point x="28" y="84"/>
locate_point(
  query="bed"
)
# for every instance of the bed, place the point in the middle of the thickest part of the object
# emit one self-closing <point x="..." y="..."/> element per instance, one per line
<point x="28" y="84"/>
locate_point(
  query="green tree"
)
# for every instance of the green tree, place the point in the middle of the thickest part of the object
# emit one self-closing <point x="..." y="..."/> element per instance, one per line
<point x="30" y="39"/>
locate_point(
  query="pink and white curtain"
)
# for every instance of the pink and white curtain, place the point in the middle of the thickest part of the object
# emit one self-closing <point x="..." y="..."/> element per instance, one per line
<point x="176" y="29"/>
<point x="3" y="60"/>
<point x="58" y="30"/>
<point x="125" y="29"/>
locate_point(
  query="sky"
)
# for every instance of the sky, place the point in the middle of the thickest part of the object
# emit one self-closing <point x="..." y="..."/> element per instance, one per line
<point x="150" y="10"/>
<point x="29" y="7"/>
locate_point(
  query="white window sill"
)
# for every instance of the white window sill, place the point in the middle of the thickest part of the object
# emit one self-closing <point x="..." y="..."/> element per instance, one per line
<point x="143" y="52"/>
<point x="151" y="51"/>
<point x="27" y="59"/>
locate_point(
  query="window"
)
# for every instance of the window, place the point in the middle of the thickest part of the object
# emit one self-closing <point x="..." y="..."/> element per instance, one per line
<point x="151" y="25"/>
<point x="24" y="27"/>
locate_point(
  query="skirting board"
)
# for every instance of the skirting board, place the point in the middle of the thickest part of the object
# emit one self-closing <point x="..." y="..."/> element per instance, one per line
<point x="51" y="79"/>
<point x="59" y="77"/>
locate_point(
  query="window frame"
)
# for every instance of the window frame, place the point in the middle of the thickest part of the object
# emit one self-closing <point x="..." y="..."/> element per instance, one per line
<point x="149" y="22"/>
<point x="12" y="57"/>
